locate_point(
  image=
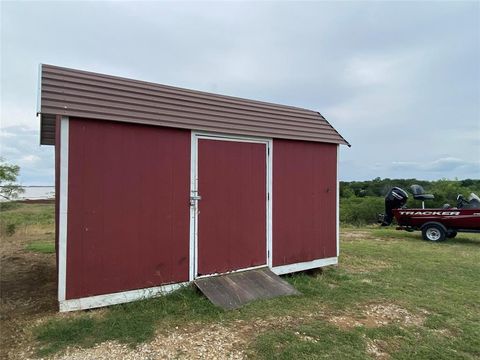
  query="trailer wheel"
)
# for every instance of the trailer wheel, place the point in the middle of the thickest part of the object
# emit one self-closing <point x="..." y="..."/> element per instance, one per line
<point x="434" y="232"/>
<point x="451" y="234"/>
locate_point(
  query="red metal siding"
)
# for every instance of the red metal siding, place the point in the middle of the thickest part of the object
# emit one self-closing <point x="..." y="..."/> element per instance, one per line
<point x="304" y="201"/>
<point x="232" y="217"/>
<point x="128" y="207"/>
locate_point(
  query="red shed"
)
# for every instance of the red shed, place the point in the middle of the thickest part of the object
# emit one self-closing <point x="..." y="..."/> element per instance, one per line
<point x="157" y="186"/>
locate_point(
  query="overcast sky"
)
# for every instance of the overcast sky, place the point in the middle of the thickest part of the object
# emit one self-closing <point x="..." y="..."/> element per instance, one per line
<point x="399" y="80"/>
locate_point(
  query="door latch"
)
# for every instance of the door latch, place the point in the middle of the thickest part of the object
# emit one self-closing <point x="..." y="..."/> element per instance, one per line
<point x="194" y="198"/>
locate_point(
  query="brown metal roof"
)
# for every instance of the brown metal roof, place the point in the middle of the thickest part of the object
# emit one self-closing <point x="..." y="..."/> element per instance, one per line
<point x="90" y="95"/>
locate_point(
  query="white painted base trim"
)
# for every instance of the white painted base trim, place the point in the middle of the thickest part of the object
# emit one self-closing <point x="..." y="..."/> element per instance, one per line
<point x="307" y="265"/>
<point x="97" y="301"/>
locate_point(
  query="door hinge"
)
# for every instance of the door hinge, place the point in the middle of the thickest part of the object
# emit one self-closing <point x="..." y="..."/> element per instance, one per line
<point x="268" y="151"/>
<point x="268" y="196"/>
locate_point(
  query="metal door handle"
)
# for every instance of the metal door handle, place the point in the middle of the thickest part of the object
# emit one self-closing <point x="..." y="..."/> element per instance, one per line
<point x="194" y="198"/>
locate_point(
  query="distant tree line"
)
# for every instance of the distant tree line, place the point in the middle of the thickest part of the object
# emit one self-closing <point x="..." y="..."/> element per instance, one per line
<point x="380" y="187"/>
<point x="362" y="201"/>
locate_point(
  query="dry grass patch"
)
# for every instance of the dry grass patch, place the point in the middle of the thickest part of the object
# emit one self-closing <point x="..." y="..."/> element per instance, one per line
<point x="376" y="315"/>
<point x="352" y="235"/>
<point x="377" y="349"/>
<point x="356" y="265"/>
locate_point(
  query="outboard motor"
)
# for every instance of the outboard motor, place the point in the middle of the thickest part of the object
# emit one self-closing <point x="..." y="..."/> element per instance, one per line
<point x="396" y="198"/>
<point x="473" y="202"/>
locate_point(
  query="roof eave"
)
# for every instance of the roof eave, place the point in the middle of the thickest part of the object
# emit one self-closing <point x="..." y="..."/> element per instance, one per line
<point x="345" y="142"/>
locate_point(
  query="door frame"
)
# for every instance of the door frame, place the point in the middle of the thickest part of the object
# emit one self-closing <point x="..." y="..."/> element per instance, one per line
<point x="193" y="248"/>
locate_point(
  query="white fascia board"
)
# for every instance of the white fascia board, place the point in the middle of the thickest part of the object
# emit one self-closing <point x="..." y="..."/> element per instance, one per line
<point x="338" y="203"/>
<point x="193" y="207"/>
<point x="63" y="209"/>
<point x="39" y="90"/>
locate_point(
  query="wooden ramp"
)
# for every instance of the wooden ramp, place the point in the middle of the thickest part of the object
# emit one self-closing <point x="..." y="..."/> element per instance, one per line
<point x="231" y="291"/>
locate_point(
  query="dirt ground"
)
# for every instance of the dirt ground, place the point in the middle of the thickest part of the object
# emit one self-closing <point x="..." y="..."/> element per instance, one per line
<point x="28" y="295"/>
<point x="27" y="286"/>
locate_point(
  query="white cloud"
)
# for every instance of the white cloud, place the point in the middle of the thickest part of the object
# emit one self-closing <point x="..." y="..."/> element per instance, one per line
<point x="29" y="159"/>
<point x="445" y="165"/>
<point x="36" y="162"/>
<point x="6" y="134"/>
<point x="399" y="80"/>
<point x="371" y="70"/>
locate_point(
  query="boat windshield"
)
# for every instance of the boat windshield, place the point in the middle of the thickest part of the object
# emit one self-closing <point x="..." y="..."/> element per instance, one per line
<point x="473" y="196"/>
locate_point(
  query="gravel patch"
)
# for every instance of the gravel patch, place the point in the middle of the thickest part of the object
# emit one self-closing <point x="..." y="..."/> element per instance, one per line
<point x="207" y="342"/>
<point x="194" y="341"/>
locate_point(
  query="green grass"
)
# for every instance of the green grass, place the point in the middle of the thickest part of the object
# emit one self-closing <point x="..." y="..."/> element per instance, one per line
<point x="18" y="216"/>
<point x="315" y="340"/>
<point x="22" y="214"/>
<point x="44" y="247"/>
<point x="30" y="214"/>
<point x="442" y="279"/>
<point x="130" y="323"/>
<point x="438" y="281"/>
<point x="388" y="232"/>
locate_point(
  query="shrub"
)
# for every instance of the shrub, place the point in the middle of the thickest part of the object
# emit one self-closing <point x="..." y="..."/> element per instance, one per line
<point x="10" y="229"/>
<point x="8" y="205"/>
<point x="361" y="201"/>
<point x="360" y="211"/>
